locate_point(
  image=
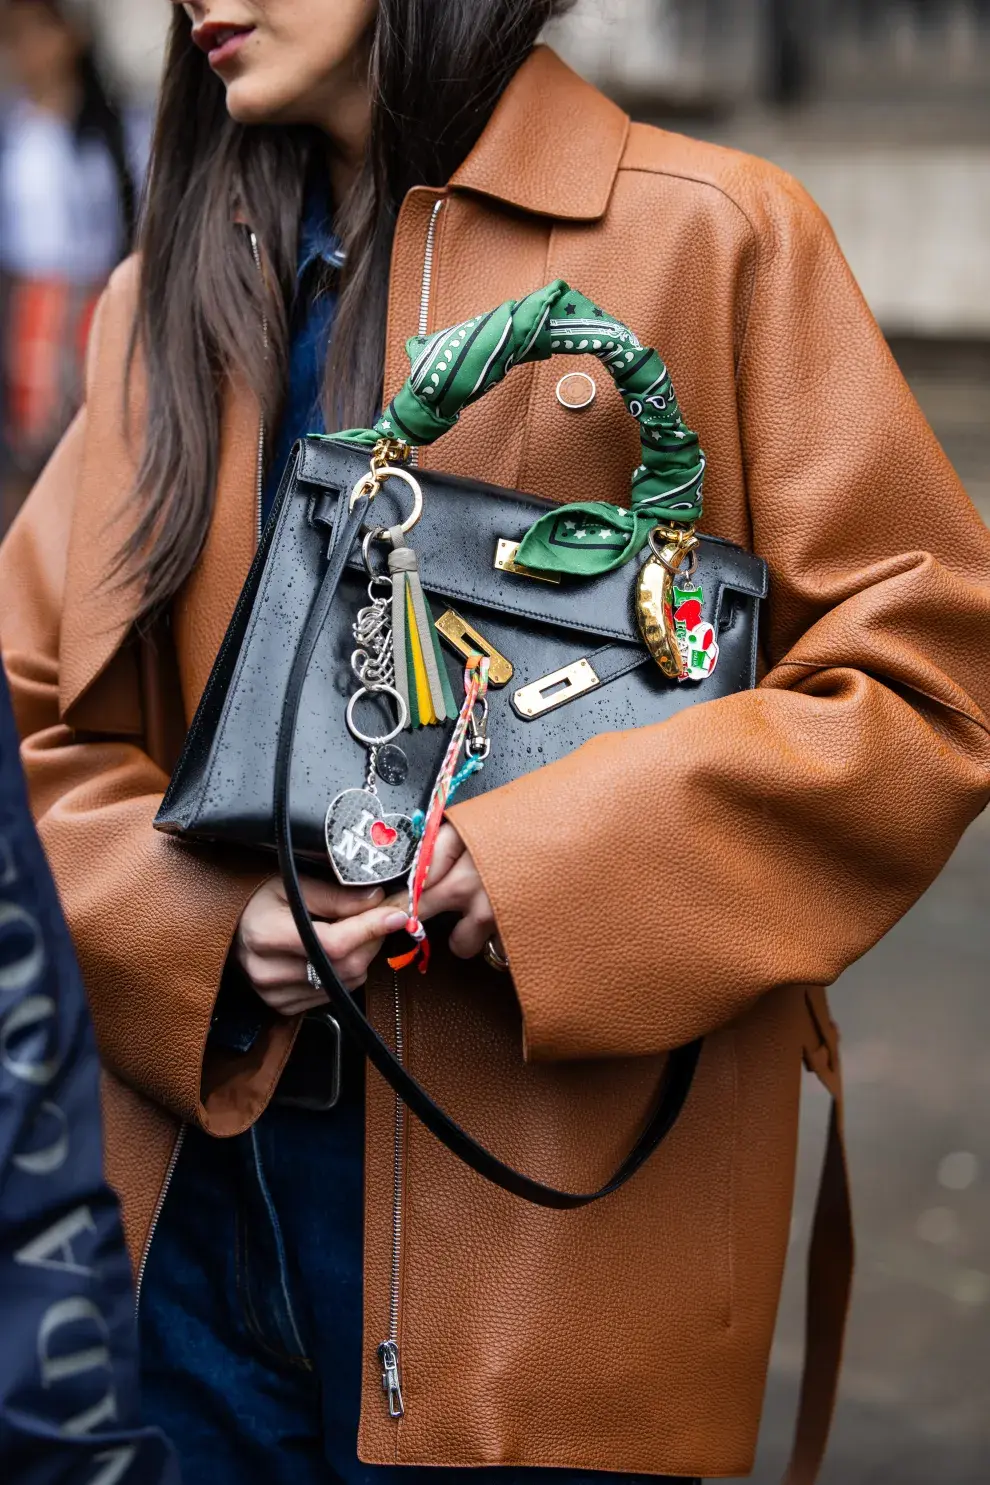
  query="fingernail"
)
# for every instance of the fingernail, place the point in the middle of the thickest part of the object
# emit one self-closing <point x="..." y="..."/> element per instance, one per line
<point x="374" y="892"/>
<point x="394" y="921"/>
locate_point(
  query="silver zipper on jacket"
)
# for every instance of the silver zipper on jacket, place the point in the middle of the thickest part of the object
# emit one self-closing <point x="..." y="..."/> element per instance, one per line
<point x="424" y="297"/>
<point x="388" y="1351"/>
<point x="259" y="480"/>
<point x="159" y="1204"/>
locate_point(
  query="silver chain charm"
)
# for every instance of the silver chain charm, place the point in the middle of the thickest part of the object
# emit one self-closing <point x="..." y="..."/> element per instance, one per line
<point x="373" y="662"/>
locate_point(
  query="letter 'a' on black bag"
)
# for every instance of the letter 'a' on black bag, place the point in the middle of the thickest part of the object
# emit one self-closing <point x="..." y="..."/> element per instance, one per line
<point x="617" y="623"/>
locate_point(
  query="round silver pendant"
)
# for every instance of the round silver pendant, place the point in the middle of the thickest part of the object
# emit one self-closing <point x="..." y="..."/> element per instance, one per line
<point x="392" y="765"/>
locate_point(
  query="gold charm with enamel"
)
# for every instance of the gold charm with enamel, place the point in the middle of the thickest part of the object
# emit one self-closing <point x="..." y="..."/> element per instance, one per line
<point x="669" y="608"/>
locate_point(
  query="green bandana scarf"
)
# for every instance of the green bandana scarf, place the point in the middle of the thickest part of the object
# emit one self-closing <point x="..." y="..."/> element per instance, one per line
<point x="455" y="367"/>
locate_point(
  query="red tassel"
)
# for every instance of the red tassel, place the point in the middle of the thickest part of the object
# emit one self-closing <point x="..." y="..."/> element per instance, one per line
<point x="420" y="951"/>
<point x="403" y="961"/>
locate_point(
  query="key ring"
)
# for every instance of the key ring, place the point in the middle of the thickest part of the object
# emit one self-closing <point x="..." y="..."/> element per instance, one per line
<point x="369" y="536"/>
<point x="662" y="538"/>
<point x="371" y="484"/>
<point x="363" y="737"/>
<point x="379" y="577"/>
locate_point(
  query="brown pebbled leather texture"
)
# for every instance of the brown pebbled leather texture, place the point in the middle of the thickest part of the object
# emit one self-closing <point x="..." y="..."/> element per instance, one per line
<point x="694" y="877"/>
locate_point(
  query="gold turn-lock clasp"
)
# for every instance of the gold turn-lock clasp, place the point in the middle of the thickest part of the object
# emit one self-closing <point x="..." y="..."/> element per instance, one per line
<point x="466" y="640"/>
<point x="671" y="548"/>
<point x="505" y="561"/>
<point x="556" y="689"/>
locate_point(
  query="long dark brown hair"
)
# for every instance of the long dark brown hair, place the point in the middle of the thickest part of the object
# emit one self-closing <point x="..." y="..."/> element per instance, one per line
<point x="437" y="69"/>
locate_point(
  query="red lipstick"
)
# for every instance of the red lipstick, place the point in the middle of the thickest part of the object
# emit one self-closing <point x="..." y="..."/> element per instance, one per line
<point x="220" y="42"/>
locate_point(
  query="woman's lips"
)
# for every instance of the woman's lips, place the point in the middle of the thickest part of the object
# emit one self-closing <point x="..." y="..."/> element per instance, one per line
<point x="219" y="42"/>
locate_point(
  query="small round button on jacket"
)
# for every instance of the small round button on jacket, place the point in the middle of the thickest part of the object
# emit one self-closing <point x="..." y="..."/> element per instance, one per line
<point x="576" y="390"/>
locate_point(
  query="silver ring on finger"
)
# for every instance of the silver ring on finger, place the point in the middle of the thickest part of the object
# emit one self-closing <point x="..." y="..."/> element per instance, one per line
<point x="313" y="977"/>
<point x="494" y="957"/>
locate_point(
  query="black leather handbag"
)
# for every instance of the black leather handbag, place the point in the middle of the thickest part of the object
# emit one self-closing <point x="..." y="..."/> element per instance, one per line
<point x="269" y="747"/>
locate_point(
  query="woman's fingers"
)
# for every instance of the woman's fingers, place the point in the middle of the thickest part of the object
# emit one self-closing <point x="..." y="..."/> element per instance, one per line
<point x="472" y="933"/>
<point x="449" y="855"/>
<point x="457" y="888"/>
<point x="270" y="929"/>
<point x="454" y="892"/>
<point x="330" y="900"/>
<point x="342" y="939"/>
<point x="447" y="852"/>
<point x="270" y="952"/>
<point x="275" y="971"/>
<point x="292" y="1000"/>
<point x="355" y="966"/>
<point x="299" y="996"/>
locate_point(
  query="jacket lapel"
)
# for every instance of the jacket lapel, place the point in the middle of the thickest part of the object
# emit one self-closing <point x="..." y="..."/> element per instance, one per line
<point x="206" y="603"/>
<point x="98" y="611"/>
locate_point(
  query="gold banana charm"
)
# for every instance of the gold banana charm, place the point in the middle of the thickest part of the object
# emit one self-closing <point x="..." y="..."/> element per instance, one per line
<point x="655" y="598"/>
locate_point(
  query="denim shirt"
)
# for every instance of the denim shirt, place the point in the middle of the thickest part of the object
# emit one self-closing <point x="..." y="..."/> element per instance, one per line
<point x="240" y="1015"/>
<point x="310" y="328"/>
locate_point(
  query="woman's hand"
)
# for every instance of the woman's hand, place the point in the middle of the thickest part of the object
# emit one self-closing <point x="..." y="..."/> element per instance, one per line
<point x="268" y="948"/>
<point x="454" y="886"/>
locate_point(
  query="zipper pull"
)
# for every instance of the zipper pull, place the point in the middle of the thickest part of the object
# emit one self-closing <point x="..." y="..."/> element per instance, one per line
<point x="388" y="1355"/>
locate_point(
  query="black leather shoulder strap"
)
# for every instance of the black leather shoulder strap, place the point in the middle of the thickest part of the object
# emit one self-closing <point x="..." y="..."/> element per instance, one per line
<point x="680" y="1067"/>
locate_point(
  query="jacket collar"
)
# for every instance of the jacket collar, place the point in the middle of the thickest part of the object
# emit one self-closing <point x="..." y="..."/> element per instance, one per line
<point x="552" y="146"/>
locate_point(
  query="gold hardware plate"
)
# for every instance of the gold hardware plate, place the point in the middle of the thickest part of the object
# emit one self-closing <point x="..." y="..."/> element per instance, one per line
<point x="556" y="689"/>
<point x="505" y="561"/>
<point x="465" y="639"/>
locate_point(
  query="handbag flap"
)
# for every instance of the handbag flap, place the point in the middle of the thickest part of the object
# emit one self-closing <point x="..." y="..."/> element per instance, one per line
<point x="457" y="555"/>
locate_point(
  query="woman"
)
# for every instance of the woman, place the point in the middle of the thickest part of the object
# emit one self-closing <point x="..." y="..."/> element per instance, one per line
<point x="447" y="166"/>
<point x="67" y="214"/>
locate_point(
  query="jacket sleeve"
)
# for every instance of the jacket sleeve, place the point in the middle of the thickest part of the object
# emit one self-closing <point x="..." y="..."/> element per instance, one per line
<point x="652" y="885"/>
<point x="152" y="922"/>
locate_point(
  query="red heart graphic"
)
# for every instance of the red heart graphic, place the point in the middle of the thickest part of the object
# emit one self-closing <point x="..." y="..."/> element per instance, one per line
<point x="689" y="612"/>
<point x="383" y="835"/>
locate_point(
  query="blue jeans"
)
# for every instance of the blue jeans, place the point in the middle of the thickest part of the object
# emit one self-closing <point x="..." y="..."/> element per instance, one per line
<point x="251" y="1311"/>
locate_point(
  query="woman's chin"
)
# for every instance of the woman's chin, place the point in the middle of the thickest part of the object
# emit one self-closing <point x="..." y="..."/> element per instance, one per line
<point x="251" y="101"/>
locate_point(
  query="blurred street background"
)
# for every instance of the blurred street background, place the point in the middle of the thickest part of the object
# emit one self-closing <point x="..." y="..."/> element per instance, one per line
<point x="882" y="109"/>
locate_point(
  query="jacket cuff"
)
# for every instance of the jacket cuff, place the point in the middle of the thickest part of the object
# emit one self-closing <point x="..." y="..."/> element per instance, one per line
<point x="521" y="836"/>
<point x="238" y="1082"/>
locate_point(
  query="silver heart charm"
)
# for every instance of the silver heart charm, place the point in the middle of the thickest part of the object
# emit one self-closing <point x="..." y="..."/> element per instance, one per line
<point x="365" y="845"/>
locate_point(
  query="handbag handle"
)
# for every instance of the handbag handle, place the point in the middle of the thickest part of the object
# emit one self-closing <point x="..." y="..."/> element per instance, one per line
<point x="678" y="1074"/>
<point x="453" y="368"/>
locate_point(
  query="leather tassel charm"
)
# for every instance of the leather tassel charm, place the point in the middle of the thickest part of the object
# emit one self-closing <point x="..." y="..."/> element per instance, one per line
<point x="420" y="672"/>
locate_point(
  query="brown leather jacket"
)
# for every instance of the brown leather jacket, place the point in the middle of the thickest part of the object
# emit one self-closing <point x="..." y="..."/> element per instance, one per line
<point x="807" y="815"/>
